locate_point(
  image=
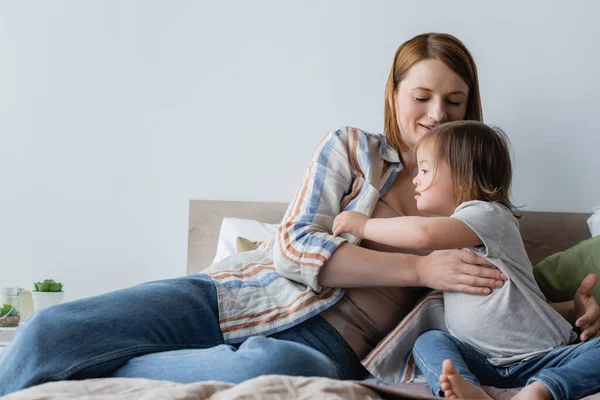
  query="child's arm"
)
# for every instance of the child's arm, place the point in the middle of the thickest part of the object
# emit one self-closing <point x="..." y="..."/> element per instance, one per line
<point x="431" y="233"/>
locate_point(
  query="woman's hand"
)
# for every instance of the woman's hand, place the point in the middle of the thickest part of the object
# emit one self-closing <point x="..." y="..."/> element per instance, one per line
<point x="458" y="271"/>
<point x="350" y="221"/>
<point x="587" y="311"/>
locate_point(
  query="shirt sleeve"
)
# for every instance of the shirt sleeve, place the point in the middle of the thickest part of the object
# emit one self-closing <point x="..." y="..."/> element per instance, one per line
<point x="488" y="220"/>
<point x="303" y="242"/>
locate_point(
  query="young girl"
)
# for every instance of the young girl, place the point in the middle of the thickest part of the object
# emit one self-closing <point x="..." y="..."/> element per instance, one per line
<point x="512" y="337"/>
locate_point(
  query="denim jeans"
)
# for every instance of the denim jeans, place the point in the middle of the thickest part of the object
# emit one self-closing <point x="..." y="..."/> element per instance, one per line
<point x="165" y="330"/>
<point x="569" y="372"/>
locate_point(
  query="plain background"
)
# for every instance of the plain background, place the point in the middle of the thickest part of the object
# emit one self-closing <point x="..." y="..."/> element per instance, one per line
<point x="114" y="114"/>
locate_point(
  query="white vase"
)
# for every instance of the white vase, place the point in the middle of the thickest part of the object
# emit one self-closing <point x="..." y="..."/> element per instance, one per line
<point x="42" y="300"/>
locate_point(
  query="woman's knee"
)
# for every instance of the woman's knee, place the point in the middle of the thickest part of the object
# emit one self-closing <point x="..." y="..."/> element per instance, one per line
<point x="42" y="331"/>
<point x="282" y="357"/>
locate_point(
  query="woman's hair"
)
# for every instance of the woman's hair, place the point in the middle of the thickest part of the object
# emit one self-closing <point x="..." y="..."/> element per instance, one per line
<point x="479" y="160"/>
<point x="439" y="46"/>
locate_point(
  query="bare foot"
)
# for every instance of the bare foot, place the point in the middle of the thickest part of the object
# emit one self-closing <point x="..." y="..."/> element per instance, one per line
<point x="457" y="387"/>
<point x="534" y="391"/>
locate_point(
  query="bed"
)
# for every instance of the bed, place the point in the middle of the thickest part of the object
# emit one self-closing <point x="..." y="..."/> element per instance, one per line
<point x="544" y="234"/>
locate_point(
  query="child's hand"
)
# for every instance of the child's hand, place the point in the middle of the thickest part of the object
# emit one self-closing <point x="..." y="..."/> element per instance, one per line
<point x="587" y="310"/>
<point x="350" y="221"/>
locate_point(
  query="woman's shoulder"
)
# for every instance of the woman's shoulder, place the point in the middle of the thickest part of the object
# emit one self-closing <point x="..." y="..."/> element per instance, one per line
<point x="350" y="132"/>
<point x="357" y="140"/>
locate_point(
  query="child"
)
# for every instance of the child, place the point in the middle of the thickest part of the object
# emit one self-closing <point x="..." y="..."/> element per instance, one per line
<point x="511" y="337"/>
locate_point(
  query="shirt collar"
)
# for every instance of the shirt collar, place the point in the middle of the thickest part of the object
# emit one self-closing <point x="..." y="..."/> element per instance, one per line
<point x="388" y="153"/>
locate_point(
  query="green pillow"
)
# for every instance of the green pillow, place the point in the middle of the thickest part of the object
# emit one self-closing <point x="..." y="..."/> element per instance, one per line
<point x="560" y="274"/>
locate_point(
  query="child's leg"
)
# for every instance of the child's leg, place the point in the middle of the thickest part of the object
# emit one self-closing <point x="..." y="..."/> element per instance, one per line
<point x="569" y="372"/>
<point x="433" y="347"/>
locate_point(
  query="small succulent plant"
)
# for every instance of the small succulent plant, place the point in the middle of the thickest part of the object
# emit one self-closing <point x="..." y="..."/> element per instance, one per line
<point x="48" y="286"/>
<point x="8" y="311"/>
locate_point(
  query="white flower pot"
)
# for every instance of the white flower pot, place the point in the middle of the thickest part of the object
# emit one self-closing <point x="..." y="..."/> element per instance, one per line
<point x="42" y="300"/>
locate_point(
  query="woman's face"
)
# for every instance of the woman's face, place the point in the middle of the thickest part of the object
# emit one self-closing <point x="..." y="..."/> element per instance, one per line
<point x="430" y="94"/>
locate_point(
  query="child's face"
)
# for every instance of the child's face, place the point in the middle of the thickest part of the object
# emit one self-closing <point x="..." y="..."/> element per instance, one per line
<point x="434" y="196"/>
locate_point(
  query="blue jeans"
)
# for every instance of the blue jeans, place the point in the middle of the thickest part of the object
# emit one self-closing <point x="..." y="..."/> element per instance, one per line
<point x="165" y="330"/>
<point x="569" y="372"/>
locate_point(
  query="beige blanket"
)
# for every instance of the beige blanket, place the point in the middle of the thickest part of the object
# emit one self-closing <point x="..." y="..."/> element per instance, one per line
<point x="272" y="387"/>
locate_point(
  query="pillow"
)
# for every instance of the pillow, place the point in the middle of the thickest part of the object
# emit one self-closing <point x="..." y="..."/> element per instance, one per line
<point x="560" y="274"/>
<point x="594" y="222"/>
<point x="231" y="228"/>
<point x="242" y="244"/>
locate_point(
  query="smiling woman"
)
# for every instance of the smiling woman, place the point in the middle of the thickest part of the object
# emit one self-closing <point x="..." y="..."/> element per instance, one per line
<point x="433" y="80"/>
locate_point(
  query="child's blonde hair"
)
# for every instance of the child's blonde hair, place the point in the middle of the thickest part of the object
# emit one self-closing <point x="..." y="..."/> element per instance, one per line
<point x="479" y="160"/>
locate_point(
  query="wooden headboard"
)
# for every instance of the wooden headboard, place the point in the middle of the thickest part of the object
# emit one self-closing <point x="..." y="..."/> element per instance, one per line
<point x="205" y="223"/>
<point x="544" y="233"/>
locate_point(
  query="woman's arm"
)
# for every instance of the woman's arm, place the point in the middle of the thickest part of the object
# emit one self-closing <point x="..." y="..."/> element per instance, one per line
<point x="303" y="243"/>
<point x="454" y="270"/>
<point x="354" y="266"/>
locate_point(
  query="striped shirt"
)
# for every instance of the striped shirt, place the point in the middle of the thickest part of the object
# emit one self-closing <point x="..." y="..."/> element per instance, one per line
<point x="276" y="286"/>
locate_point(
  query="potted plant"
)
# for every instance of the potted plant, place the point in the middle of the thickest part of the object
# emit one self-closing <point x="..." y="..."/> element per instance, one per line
<point x="46" y="294"/>
<point x="9" y="316"/>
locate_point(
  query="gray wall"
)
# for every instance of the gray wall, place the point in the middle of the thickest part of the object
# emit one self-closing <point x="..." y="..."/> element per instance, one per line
<point x="114" y="114"/>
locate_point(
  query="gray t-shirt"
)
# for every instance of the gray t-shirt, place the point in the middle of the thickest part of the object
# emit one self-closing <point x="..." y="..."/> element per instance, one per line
<point x="514" y="322"/>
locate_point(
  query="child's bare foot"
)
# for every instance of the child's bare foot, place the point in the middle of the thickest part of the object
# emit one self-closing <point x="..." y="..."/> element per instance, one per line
<point x="457" y="387"/>
<point x="534" y="391"/>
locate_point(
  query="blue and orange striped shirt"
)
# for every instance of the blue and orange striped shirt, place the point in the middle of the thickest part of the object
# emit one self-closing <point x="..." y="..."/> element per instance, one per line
<point x="277" y="286"/>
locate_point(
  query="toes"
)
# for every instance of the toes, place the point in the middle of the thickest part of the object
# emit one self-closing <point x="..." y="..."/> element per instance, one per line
<point x="449" y="394"/>
<point x="448" y="368"/>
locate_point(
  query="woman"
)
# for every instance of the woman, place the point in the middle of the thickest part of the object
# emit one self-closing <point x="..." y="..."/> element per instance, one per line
<point x="284" y="299"/>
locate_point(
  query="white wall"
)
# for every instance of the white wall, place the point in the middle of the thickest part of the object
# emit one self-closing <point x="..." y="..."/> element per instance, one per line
<point x="114" y="114"/>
